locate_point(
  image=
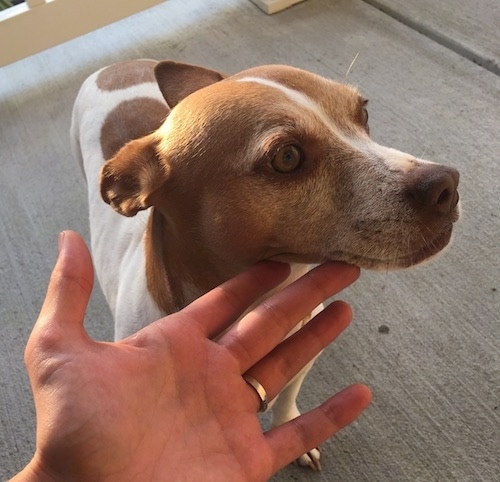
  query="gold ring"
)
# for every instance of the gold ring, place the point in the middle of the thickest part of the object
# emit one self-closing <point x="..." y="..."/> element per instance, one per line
<point x="261" y="391"/>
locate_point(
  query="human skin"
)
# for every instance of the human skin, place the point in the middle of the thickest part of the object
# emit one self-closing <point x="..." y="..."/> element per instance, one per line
<point x="170" y="403"/>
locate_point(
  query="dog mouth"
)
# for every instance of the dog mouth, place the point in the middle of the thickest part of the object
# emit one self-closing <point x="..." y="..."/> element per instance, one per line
<point x="430" y="248"/>
<point x="396" y="258"/>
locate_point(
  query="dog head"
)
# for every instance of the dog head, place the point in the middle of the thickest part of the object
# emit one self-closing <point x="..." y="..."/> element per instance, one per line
<point x="277" y="163"/>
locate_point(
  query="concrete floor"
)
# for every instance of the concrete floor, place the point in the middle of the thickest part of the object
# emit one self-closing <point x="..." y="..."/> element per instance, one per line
<point x="436" y="373"/>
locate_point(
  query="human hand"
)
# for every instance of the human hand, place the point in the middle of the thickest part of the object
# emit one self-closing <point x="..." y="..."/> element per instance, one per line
<point x="169" y="403"/>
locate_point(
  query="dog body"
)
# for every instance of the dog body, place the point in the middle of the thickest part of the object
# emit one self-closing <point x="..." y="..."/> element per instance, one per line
<point x="117" y="246"/>
<point x="208" y="174"/>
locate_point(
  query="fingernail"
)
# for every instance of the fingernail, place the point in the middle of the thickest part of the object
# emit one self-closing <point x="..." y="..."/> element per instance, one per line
<point x="60" y="241"/>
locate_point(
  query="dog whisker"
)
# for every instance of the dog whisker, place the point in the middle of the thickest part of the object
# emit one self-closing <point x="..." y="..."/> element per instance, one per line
<point x="351" y="65"/>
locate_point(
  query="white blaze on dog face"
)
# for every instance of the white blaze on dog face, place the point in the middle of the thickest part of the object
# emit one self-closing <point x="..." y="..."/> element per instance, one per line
<point x="303" y="101"/>
<point x="392" y="158"/>
<point x="349" y="199"/>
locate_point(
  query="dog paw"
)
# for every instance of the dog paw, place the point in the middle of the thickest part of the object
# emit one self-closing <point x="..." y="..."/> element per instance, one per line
<point x="311" y="460"/>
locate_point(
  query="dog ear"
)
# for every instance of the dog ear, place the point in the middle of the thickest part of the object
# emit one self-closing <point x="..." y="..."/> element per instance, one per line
<point x="177" y="80"/>
<point x="130" y="177"/>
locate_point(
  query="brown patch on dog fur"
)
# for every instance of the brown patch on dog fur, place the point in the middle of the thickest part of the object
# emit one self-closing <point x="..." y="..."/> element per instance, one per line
<point x="167" y="294"/>
<point x="130" y="120"/>
<point x="126" y="74"/>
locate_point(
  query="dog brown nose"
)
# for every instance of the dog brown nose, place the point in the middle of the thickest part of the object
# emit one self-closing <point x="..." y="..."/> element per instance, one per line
<point x="434" y="186"/>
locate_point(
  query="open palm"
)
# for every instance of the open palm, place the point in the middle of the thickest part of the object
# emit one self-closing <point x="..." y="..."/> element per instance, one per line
<point x="170" y="403"/>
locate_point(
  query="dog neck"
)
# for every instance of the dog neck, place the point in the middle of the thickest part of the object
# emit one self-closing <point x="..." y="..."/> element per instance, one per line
<point x="177" y="271"/>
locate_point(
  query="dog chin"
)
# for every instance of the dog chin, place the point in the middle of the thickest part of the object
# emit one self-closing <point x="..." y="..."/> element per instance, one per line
<point x="429" y="251"/>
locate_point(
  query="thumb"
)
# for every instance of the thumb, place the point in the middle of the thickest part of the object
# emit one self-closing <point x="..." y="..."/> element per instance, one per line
<point x="68" y="293"/>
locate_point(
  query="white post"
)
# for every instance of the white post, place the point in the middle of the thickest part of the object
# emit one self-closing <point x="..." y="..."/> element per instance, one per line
<point x="273" y="6"/>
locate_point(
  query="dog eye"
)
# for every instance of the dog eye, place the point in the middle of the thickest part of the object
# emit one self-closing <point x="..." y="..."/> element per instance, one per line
<point x="287" y="159"/>
<point x="365" y="112"/>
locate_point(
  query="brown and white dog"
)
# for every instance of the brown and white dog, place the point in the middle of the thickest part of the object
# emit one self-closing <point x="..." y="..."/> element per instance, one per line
<point x="209" y="174"/>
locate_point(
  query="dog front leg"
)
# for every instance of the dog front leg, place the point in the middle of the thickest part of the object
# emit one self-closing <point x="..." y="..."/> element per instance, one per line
<point x="285" y="409"/>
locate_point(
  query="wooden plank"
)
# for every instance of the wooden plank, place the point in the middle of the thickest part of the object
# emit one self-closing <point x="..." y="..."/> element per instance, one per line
<point x="25" y="31"/>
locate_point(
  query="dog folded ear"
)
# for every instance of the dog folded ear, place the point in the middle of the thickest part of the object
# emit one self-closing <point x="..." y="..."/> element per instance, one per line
<point x="130" y="177"/>
<point x="177" y="80"/>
